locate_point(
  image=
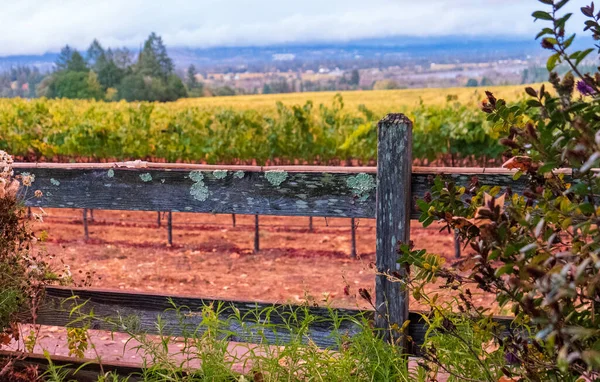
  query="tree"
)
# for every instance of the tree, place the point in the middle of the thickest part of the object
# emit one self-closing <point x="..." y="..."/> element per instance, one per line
<point x="63" y="58"/>
<point x="75" y="84"/>
<point x="121" y="57"/>
<point x="267" y="89"/>
<point x="77" y="63"/>
<point x="354" y="78"/>
<point x="96" y="56"/>
<point x="472" y="83"/>
<point x="137" y="87"/>
<point x="191" y="80"/>
<point x="486" y="82"/>
<point x="153" y="59"/>
<point x="386" y="85"/>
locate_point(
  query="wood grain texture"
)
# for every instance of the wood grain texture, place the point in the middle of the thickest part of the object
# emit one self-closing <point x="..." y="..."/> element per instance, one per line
<point x="253" y="193"/>
<point x="301" y="194"/>
<point x="394" y="148"/>
<point x="139" y="312"/>
<point x="78" y="369"/>
<point x="142" y="309"/>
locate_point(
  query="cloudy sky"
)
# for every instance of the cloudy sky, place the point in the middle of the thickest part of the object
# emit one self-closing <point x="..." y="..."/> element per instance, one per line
<point x="39" y="26"/>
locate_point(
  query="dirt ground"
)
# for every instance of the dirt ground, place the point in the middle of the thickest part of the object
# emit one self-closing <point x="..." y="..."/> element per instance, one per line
<point x="210" y="258"/>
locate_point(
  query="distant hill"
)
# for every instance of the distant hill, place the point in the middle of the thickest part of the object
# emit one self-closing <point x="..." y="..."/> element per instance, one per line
<point x="376" y="52"/>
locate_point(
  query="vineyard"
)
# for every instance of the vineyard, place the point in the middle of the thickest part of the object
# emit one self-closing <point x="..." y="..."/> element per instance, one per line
<point x="310" y="128"/>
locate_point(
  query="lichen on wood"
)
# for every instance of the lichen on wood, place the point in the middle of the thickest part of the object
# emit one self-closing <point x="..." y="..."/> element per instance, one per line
<point x="276" y="177"/>
<point x="220" y="174"/>
<point x="361" y="185"/>
<point x="146" y="177"/>
<point x="199" y="191"/>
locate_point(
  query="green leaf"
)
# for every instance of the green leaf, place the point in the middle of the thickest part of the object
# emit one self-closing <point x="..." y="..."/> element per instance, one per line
<point x="541" y="15"/>
<point x="569" y="41"/>
<point x="586" y="208"/>
<point x="517" y="175"/>
<point x="427" y="222"/>
<point x="560" y="4"/>
<point x="582" y="55"/>
<point x="544" y="32"/>
<point x="547" y="167"/>
<point x="506" y="269"/>
<point x="560" y="23"/>
<point x="552" y="62"/>
<point x="533" y="103"/>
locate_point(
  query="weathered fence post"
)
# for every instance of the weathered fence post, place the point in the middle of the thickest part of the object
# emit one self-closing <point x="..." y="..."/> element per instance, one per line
<point x="310" y="224"/>
<point x="170" y="228"/>
<point x="158" y="222"/>
<point x="256" y="235"/>
<point x="233" y="220"/>
<point x="353" y="239"/>
<point x="456" y="244"/>
<point x="394" y="165"/>
<point x="86" y="234"/>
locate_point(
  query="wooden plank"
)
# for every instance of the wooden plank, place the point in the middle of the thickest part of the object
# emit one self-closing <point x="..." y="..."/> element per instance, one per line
<point x="352" y="238"/>
<point x="86" y="233"/>
<point x="394" y="155"/>
<point x="256" y="234"/>
<point x="338" y="169"/>
<point x="170" y="228"/>
<point x="82" y="369"/>
<point x="143" y="309"/>
<point x="300" y="194"/>
<point x="252" y="193"/>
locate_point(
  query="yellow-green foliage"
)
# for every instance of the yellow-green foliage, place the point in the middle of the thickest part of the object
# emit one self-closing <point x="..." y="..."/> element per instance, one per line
<point x="305" y="127"/>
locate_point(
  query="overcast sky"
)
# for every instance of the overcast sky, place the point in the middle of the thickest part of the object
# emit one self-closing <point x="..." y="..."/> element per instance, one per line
<point x="39" y="26"/>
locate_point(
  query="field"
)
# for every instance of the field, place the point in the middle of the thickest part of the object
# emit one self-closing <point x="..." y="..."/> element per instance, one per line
<point x="331" y="129"/>
<point x="380" y="102"/>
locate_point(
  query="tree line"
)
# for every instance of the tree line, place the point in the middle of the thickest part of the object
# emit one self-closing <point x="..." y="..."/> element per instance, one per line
<point x="107" y="74"/>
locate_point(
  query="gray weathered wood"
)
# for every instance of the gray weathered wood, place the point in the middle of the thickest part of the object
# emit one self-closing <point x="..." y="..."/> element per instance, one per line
<point x="141" y="310"/>
<point x="77" y="369"/>
<point x="300" y="194"/>
<point x="170" y="228"/>
<point x="86" y="233"/>
<point x="456" y="244"/>
<point x="352" y="238"/>
<point x="394" y="158"/>
<point x="263" y="193"/>
<point x="256" y="235"/>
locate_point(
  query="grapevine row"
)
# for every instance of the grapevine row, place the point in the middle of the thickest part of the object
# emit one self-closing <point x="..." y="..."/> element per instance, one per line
<point x="67" y="130"/>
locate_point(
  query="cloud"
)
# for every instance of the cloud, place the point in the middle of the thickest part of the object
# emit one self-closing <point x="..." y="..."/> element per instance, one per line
<point x="35" y="27"/>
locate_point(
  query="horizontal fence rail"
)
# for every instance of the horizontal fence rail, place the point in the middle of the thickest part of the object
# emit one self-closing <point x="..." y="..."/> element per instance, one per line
<point x="345" y="192"/>
<point x="115" y="311"/>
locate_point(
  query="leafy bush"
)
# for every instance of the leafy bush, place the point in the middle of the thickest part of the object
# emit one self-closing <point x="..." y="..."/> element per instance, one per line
<point x="23" y="272"/>
<point x="537" y="252"/>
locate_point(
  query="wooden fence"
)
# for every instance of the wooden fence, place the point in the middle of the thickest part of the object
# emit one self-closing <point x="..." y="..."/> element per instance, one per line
<point x="385" y="193"/>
